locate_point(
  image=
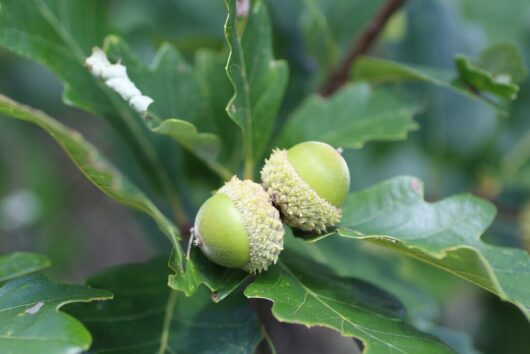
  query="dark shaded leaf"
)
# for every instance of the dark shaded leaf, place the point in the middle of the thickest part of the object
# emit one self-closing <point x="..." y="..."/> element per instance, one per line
<point x="199" y="270"/>
<point x="148" y="317"/>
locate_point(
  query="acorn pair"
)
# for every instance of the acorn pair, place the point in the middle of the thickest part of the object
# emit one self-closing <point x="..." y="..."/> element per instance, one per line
<point x="239" y="227"/>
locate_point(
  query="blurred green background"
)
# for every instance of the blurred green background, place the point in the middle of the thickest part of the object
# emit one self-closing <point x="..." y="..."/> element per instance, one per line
<point x="47" y="206"/>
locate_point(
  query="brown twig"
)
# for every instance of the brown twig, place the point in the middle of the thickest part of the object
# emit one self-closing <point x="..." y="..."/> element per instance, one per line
<point x="365" y="40"/>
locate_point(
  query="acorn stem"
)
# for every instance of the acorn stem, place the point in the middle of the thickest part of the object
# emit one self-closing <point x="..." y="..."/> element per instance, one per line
<point x="190" y="243"/>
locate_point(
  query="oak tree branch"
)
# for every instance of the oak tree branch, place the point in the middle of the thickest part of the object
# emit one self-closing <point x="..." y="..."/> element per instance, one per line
<point x="366" y="39"/>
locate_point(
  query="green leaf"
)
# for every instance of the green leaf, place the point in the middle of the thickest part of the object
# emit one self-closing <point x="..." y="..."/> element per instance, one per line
<point x="355" y="115"/>
<point x="57" y="30"/>
<point x="205" y="146"/>
<point x="60" y="36"/>
<point x="445" y="234"/>
<point x="189" y="24"/>
<point x="31" y="323"/>
<point x="178" y="92"/>
<point x="148" y="317"/>
<point x="385" y="270"/>
<point x="17" y="264"/>
<point x="371" y="264"/>
<point x="377" y="70"/>
<point x="307" y="294"/>
<point x="95" y="167"/>
<point x="496" y="72"/>
<point x="259" y="81"/>
<point x="199" y="270"/>
<point x="478" y="79"/>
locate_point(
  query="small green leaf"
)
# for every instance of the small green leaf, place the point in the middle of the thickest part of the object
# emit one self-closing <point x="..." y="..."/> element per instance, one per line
<point x="95" y="167"/>
<point x="308" y="294"/>
<point x="377" y="70"/>
<point x="204" y="145"/>
<point x="259" y="81"/>
<point x="148" y="317"/>
<point x="355" y="115"/>
<point x="497" y="71"/>
<point x="31" y="323"/>
<point x="199" y="270"/>
<point x="445" y="234"/>
<point x="17" y="264"/>
<point x="478" y="79"/>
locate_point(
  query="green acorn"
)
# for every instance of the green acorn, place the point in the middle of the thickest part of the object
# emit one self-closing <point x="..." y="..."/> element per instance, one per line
<point x="239" y="227"/>
<point x="308" y="183"/>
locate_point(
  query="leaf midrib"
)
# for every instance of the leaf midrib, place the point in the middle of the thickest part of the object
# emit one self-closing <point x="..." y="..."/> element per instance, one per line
<point x="343" y="318"/>
<point x="170" y="307"/>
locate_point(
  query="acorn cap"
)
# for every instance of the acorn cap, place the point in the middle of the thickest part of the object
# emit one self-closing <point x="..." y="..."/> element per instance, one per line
<point x="300" y="204"/>
<point x="261" y="222"/>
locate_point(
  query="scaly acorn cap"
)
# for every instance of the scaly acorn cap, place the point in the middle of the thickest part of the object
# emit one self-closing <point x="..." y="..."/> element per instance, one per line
<point x="299" y="203"/>
<point x="239" y="227"/>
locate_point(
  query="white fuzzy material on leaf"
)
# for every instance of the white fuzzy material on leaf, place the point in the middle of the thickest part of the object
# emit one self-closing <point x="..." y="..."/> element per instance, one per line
<point x="115" y="77"/>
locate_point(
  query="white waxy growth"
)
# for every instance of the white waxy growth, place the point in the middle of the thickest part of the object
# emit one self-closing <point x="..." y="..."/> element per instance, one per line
<point x="35" y="308"/>
<point x="115" y="77"/>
